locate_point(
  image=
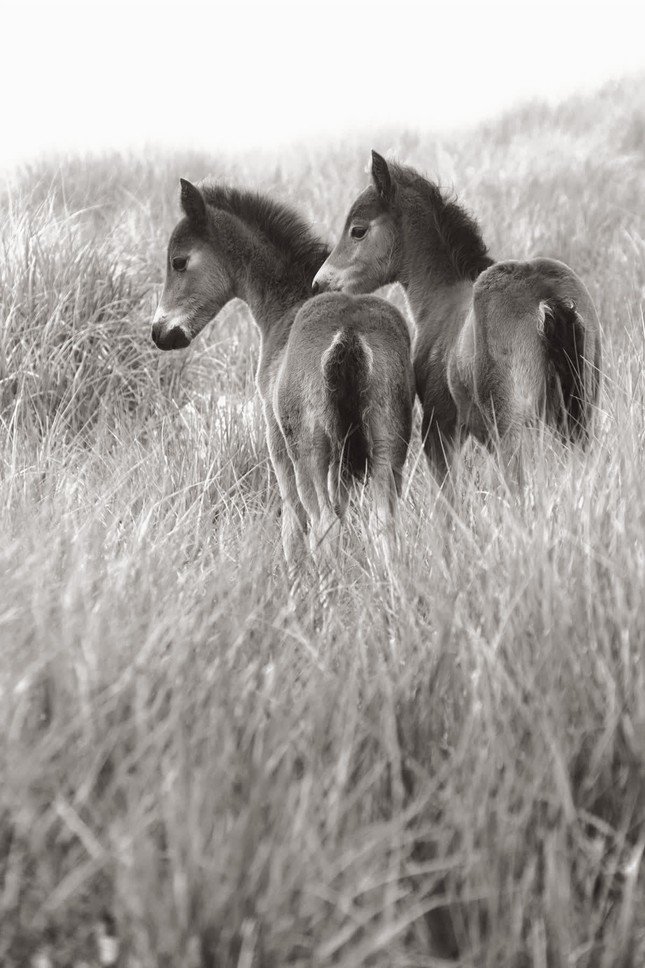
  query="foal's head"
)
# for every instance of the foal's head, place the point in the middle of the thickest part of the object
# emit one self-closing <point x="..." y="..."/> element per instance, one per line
<point x="368" y="252"/>
<point x="400" y="228"/>
<point x="198" y="280"/>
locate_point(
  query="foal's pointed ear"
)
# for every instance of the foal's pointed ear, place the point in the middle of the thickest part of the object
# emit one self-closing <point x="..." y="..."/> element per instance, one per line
<point x="192" y="202"/>
<point x="381" y="176"/>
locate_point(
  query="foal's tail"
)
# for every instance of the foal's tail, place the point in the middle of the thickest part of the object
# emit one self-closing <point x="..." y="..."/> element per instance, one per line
<point x="569" y="375"/>
<point x="347" y="369"/>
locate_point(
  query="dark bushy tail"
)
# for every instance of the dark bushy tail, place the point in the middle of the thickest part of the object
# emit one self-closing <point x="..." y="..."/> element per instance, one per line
<point x="568" y="381"/>
<point x="347" y="368"/>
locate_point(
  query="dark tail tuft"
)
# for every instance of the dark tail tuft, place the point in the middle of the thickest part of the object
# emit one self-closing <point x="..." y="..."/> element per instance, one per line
<point x="564" y="335"/>
<point x="346" y="367"/>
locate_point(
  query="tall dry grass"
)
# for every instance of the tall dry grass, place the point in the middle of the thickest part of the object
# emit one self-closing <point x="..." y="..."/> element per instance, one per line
<point x="440" y="765"/>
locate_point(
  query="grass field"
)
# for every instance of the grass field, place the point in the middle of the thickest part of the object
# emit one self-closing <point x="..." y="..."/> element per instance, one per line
<point x="444" y="765"/>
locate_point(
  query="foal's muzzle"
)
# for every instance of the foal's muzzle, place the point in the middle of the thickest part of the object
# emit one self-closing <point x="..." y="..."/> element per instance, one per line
<point x="320" y="284"/>
<point x="172" y="339"/>
<point x="325" y="280"/>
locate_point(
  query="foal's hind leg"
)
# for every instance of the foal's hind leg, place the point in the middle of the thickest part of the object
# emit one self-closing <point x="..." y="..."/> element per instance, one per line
<point x="384" y="490"/>
<point x="311" y="468"/>
<point x="311" y="475"/>
<point x="294" y="518"/>
<point x="501" y="425"/>
<point x="383" y="510"/>
<point x="329" y="520"/>
<point x="305" y="462"/>
<point x="384" y="499"/>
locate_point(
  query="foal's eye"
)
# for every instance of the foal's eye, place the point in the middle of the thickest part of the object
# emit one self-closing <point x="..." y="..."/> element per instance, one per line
<point x="179" y="264"/>
<point x="358" y="231"/>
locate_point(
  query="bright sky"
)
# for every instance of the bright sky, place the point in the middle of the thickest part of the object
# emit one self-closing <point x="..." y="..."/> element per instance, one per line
<point x="227" y="76"/>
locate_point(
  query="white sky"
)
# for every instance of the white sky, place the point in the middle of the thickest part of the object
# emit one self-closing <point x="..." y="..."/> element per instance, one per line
<point x="228" y="76"/>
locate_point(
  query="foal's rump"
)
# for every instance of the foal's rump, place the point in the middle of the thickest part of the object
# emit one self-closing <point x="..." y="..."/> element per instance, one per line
<point x="537" y="345"/>
<point x="349" y="364"/>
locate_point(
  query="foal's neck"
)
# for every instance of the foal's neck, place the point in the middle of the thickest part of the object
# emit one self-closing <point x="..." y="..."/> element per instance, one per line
<point x="437" y="297"/>
<point x="438" y="307"/>
<point x="265" y="280"/>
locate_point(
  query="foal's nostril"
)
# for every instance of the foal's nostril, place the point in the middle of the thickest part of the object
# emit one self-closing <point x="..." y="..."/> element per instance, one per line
<point x="173" y="339"/>
<point x="177" y="339"/>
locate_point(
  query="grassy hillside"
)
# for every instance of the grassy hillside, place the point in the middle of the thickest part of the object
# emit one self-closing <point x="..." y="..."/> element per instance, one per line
<point x="441" y="766"/>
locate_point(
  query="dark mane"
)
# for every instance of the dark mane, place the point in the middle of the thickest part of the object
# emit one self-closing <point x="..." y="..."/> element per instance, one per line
<point x="275" y="222"/>
<point x="461" y="244"/>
